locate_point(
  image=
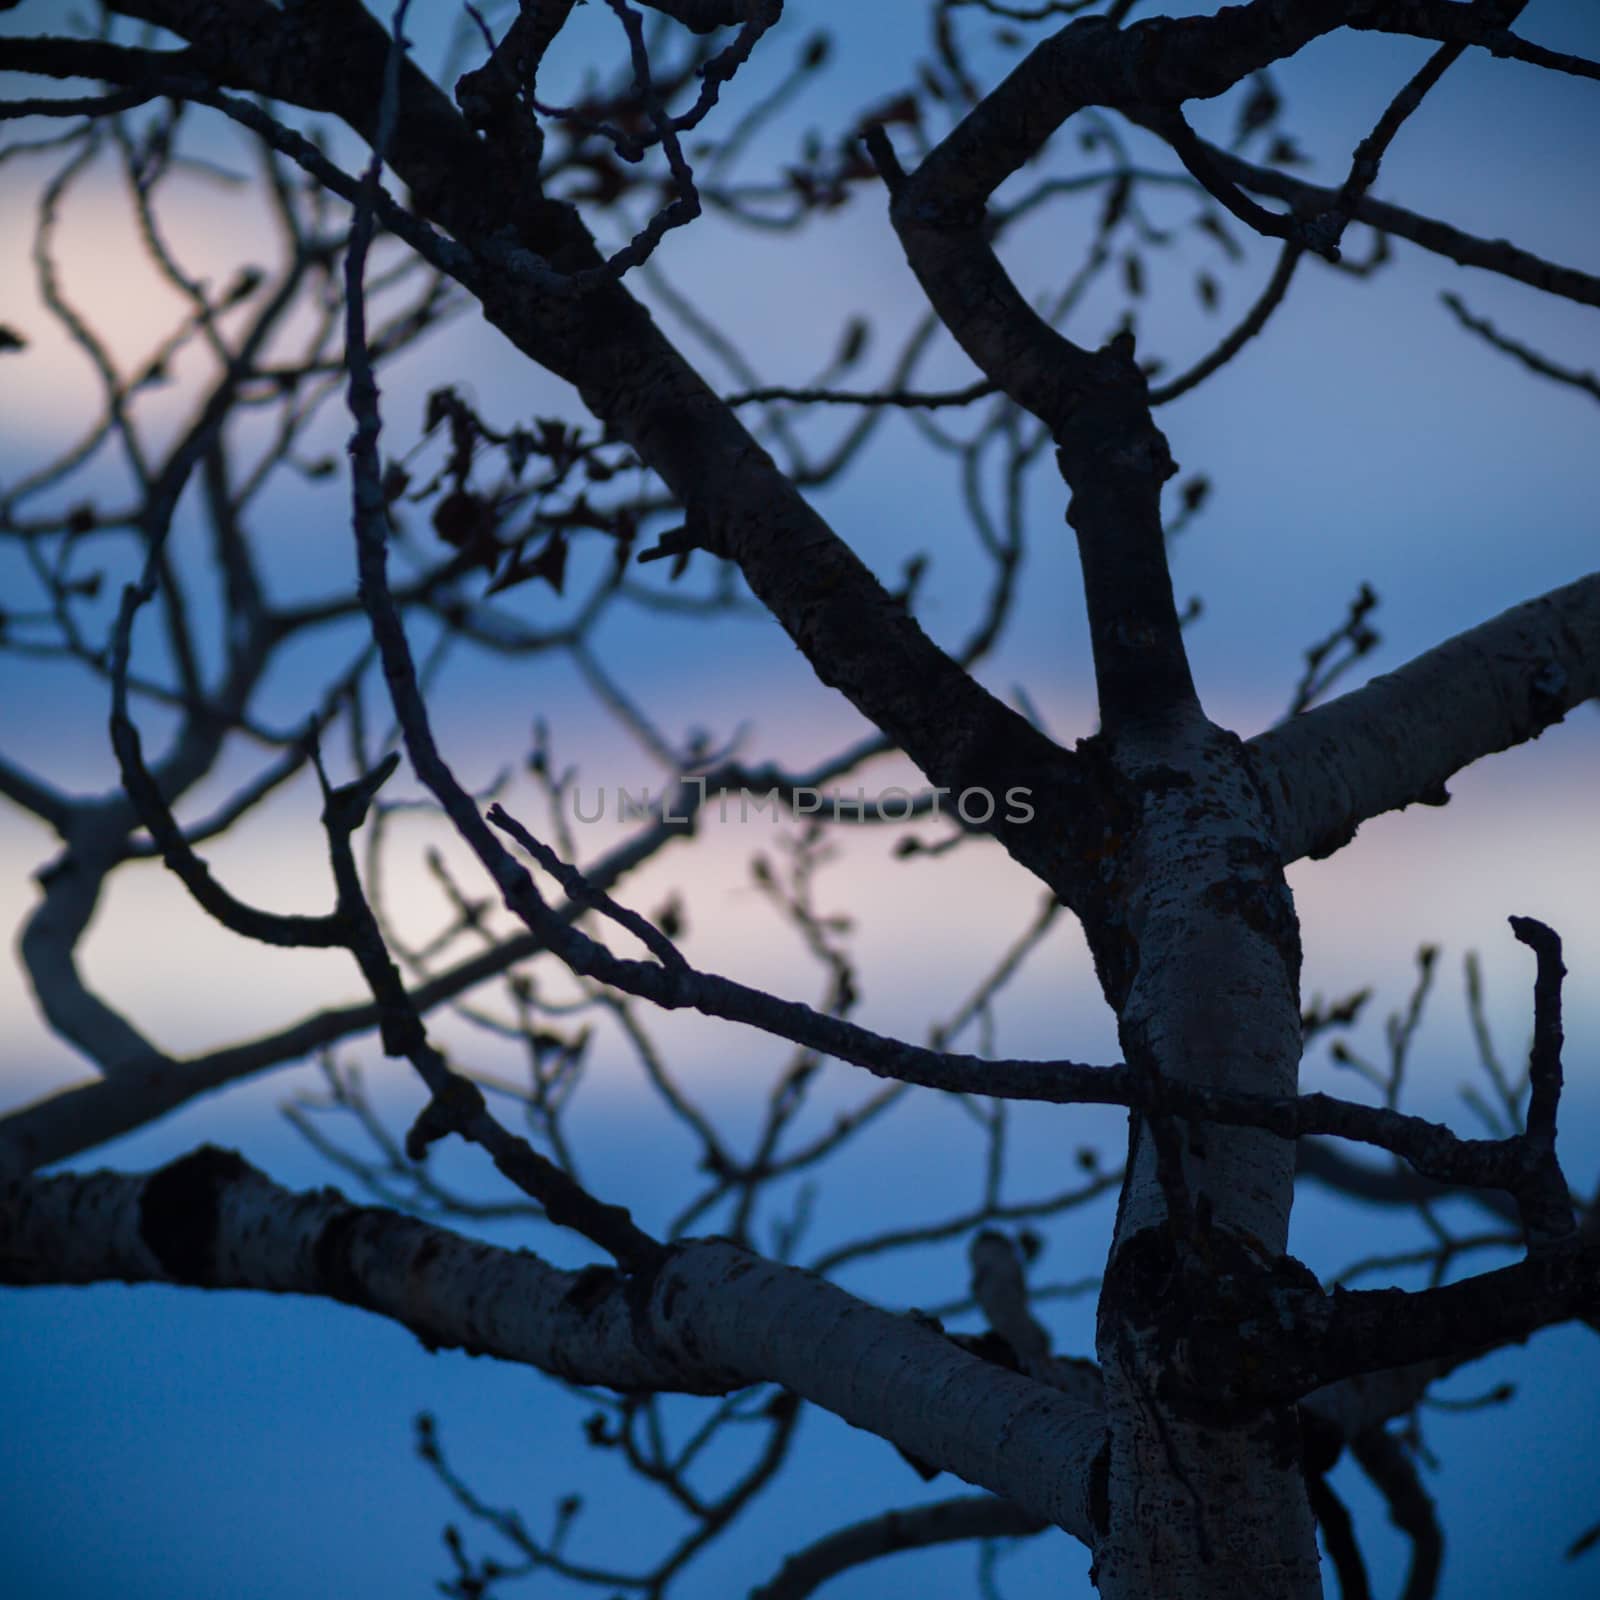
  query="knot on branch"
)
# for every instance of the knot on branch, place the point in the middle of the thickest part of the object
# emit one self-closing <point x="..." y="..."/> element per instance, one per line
<point x="345" y="807"/>
<point x="1547" y="705"/>
<point x="1321" y="234"/>
<point x="451" y="1110"/>
<point x="180" y="1207"/>
<point x="1229" y="1324"/>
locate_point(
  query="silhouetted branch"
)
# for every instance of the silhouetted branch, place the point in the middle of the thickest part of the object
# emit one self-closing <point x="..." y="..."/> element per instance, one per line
<point x="954" y="1521"/>
<point x="1586" y="382"/>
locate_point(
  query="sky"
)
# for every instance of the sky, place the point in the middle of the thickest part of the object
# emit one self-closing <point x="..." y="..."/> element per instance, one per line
<point x="162" y="1442"/>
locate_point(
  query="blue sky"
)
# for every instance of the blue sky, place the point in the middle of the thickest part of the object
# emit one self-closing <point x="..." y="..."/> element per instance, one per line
<point x="181" y="1445"/>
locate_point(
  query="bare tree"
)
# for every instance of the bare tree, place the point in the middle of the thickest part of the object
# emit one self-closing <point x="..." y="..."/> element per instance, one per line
<point x="1191" y="1454"/>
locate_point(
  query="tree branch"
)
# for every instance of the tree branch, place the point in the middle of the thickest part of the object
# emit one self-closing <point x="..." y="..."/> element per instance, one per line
<point x="855" y="635"/>
<point x="955" y="1521"/>
<point x="1586" y="382"/>
<point x="711" y="1318"/>
<point x="1323" y="1338"/>
<point x="1465" y="249"/>
<point x="1377" y="1184"/>
<point x="1390" y="1467"/>
<point x="1395" y="741"/>
<point x="1485" y="24"/>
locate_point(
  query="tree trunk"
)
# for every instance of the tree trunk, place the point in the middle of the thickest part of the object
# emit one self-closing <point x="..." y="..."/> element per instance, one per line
<point x="1200" y="1503"/>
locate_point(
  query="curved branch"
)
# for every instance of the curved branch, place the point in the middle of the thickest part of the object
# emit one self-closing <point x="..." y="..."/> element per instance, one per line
<point x="1585" y="382"/>
<point x="288" y="931"/>
<point x="916" y="1528"/>
<point x="1339" y="1537"/>
<point x="47" y="948"/>
<point x="1386" y="1462"/>
<point x="1095" y="405"/>
<point x="1345" y="1410"/>
<point x="1253" y="321"/>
